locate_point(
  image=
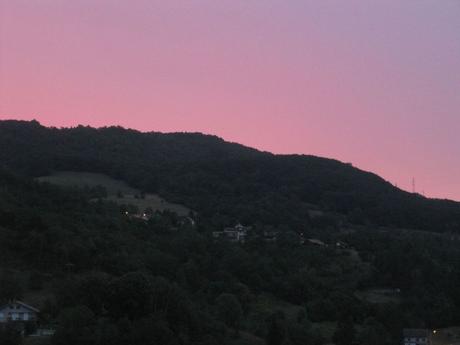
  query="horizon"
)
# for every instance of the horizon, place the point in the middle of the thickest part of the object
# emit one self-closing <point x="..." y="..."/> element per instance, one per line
<point x="230" y="142"/>
<point x="371" y="84"/>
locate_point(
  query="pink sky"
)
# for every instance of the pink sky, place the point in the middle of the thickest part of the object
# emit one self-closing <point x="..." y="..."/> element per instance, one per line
<point x="375" y="83"/>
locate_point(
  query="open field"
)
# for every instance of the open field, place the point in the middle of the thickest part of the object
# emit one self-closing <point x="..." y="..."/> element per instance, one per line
<point x="81" y="179"/>
<point x="117" y="191"/>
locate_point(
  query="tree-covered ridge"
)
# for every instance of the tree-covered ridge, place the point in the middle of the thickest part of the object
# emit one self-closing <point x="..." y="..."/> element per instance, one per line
<point x="221" y="180"/>
<point x="101" y="277"/>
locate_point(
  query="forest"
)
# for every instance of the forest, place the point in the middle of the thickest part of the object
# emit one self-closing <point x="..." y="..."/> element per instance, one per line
<point x="222" y="179"/>
<point x="101" y="277"/>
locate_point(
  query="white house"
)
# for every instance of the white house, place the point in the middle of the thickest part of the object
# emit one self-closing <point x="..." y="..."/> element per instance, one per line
<point x="17" y="311"/>
<point x="236" y="234"/>
<point x="416" y="337"/>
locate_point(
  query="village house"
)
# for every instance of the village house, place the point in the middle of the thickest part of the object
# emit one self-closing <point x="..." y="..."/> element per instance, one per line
<point x="187" y="221"/>
<point x="142" y="216"/>
<point x="23" y="318"/>
<point x="17" y="311"/>
<point x="341" y="245"/>
<point x="236" y="234"/>
<point x="416" y="337"/>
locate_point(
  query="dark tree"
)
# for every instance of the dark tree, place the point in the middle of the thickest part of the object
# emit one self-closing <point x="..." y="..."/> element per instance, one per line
<point x="229" y="310"/>
<point x="345" y="332"/>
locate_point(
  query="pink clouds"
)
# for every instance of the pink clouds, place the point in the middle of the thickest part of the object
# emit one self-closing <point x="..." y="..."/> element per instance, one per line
<point x="371" y="83"/>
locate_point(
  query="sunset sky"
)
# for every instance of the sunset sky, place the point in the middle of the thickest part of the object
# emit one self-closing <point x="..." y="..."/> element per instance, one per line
<point x="374" y="83"/>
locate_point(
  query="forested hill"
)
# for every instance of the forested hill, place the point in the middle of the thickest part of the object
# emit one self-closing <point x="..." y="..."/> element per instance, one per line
<point x="224" y="181"/>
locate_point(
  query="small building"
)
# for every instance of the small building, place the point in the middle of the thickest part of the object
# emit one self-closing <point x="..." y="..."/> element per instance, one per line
<point x="416" y="336"/>
<point x="142" y="216"/>
<point x="341" y="245"/>
<point x="17" y="311"/>
<point x="187" y="221"/>
<point x="236" y="234"/>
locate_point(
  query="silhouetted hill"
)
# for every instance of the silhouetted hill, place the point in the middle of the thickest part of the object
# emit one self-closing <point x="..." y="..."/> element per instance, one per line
<point x="224" y="181"/>
<point x="100" y="274"/>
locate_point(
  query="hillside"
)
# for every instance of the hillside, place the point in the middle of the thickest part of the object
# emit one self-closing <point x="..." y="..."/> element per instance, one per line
<point x="101" y="276"/>
<point x="225" y="181"/>
<point x="116" y="191"/>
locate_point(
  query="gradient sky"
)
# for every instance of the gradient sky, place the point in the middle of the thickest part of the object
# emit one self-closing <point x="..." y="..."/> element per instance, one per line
<point x="375" y="83"/>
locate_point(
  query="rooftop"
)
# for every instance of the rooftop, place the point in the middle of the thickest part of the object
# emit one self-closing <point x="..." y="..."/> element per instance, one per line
<point x="416" y="333"/>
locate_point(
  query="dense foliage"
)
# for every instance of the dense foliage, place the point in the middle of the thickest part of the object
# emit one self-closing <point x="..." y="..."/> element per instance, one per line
<point x="222" y="180"/>
<point x="102" y="277"/>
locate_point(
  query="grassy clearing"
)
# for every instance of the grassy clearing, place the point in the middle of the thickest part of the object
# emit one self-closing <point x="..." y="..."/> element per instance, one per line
<point x="117" y="191"/>
<point x="81" y="179"/>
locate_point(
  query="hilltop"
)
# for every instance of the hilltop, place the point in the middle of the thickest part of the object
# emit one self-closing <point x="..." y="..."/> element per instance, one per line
<point x="226" y="181"/>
